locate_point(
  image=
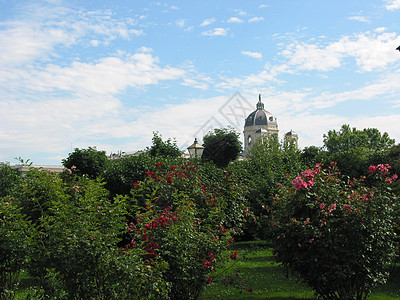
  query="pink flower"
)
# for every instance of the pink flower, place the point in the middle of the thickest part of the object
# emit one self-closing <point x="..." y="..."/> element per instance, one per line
<point x="299" y="183"/>
<point x="322" y="205"/>
<point x="308" y="174"/>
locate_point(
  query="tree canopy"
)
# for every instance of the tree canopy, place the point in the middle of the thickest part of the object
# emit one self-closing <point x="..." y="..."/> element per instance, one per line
<point x="354" y="150"/>
<point x="86" y="161"/>
<point x="350" y="138"/>
<point x="168" y="148"/>
<point x="222" y="146"/>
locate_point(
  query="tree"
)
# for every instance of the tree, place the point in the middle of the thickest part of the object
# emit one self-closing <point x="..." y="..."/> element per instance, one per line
<point x="168" y="148"/>
<point x="86" y="161"/>
<point x="354" y="150"/>
<point x="222" y="146"/>
<point x="266" y="168"/>
<point x="349" y="138"/>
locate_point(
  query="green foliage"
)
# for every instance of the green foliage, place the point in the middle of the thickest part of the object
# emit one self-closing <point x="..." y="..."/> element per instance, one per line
<point x="337" y="235"/>
<point x="351" y="138"/>
<point x="9" y="179"/>
<point x="267" y="165"/>
<point x="313" y="155"/>
<point x="14" y="231"/>
<point x="185" y="223"/>
<point x="89" y="161"/>
<point x="160" y="148"/>
<point x="222" y="146"/>
<point x="74" y="252"/>
<point x="354" y="150"/>
<point x="121" y="174"/>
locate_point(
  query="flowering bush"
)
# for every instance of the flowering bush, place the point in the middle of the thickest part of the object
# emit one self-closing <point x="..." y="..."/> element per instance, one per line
<point x="75" y="250"/>
<point x="336" y="234"/>
<point x="180" y="220"/>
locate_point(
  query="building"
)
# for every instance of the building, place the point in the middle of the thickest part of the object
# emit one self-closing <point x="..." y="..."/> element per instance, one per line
<point x="261" y="123"/>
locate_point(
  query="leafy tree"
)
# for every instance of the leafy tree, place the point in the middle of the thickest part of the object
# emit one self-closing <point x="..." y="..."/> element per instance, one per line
<point x="350" y="138"/>
<point x="267" y="166"/>
<point x="9" y="179"/>
<point x="312" y="155"/>
<point x="159" y="148"/>
<point x="86" y="161"/>
<point x="354" y="150"/>
<point x="222" y="146"/>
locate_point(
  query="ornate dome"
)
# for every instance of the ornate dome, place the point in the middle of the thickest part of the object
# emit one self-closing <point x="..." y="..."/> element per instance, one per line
<point x="291" y="133"/>
<point x="260" y="116"/>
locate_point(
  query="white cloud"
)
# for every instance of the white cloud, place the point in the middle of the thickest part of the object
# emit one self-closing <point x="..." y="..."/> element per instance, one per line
<point x="109" y="75"/>
<point x="207" y="22"/>
<point x="252" y="54"/>
<point x="42" y="28"/>
<point x="263" y="6"/>
<point x="392" y="4"/>
<point x="256" y="19"/>
<point x="360" y="19"/>
<point x="235" y="20"/>
<point x="371" y="51"/>
<point x="180" y="23"/>
<point x="215" y="32"/>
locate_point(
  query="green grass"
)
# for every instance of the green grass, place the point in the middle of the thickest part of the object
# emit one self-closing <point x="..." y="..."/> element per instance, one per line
<point x="259" y="271"/>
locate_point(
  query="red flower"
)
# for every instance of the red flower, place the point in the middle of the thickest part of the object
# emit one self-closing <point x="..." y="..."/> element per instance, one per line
<point x="159" y="164"/>
<point x="169" y="180"/>
<point x="234" y="255"/>
<point x="136" y="185"/>
<point x="208" y="280"/>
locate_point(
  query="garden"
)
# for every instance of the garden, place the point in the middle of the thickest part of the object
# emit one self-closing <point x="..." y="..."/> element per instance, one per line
<point x="317" y="223"/>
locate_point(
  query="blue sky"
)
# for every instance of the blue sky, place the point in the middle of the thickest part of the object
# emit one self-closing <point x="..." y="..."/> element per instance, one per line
<point x="75" y="74"/>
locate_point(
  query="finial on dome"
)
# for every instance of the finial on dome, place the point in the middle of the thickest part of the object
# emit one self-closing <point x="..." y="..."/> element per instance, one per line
<point x="260" y="105"/>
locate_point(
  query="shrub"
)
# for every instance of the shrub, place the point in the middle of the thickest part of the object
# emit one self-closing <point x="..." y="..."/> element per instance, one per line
<point x="183" y="223"/>
<point x="14" y="232"/>
<point x="336" y="234"/>
<point x="75" y="252"/>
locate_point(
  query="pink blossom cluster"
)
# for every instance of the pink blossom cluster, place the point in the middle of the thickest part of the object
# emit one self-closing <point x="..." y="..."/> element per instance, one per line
<point x="306" y="178"/>
<point x="382" y="169"/>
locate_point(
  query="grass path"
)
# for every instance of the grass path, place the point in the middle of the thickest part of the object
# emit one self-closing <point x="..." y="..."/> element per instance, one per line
<point x="258" y="271"/>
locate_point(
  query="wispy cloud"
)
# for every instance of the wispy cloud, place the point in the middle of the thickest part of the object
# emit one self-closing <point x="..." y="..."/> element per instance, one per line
<point x="392" y="4"/>
<point x="207" y="22"/>
<point x="256" y="19"/>
<point x="370" y="50"/>
<point x="360" y="19"/>
<point x="235" y="20"/>
<point x="252" y="54"/>
<point x="180" y="23"/>
<point x="216" y="32"/>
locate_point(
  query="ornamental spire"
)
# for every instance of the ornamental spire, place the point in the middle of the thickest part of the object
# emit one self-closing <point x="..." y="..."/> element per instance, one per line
<point x="260" y="105"/>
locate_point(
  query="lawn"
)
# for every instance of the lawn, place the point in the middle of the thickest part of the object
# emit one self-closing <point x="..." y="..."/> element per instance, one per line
<point x="258" y="271"/>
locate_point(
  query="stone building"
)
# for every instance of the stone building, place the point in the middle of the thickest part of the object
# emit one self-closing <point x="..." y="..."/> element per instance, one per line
<point x="261" y="123"/>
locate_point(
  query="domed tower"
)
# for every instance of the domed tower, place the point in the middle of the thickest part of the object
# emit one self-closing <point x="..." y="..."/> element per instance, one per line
<point x="259" y="123"/>
<point x="292" y="136"/>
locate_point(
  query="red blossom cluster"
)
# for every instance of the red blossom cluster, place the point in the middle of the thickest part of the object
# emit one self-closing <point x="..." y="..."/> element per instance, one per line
<point x="209" y="263"/>
<point x="144" y="234"/>
<point x="234" y="255"/>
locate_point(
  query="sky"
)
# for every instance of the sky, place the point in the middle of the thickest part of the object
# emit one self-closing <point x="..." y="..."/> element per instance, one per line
<point x="107" y="74"/>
